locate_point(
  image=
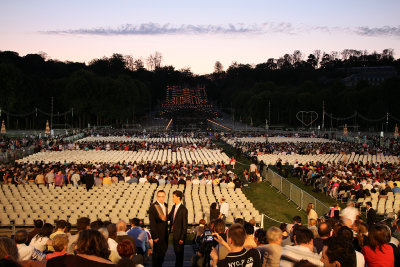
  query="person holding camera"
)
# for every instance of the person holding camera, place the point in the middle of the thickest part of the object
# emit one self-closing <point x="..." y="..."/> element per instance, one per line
<point x="237" y="255"/>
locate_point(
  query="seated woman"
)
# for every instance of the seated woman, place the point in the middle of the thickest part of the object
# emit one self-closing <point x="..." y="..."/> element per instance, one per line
<point x="127" y="250"/>
<point x="92" y="250"/>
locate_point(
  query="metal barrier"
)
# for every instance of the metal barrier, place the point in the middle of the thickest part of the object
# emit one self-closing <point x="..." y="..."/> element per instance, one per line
<point x="293" y="192"/>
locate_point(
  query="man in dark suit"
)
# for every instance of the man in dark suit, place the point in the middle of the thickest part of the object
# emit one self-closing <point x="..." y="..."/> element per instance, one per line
<point x="159" y="229"/>
<point x="371" y="214"/>
<point x="179" y="222"/>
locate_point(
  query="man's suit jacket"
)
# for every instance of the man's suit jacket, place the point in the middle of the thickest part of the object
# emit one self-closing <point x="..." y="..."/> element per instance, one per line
<point x="179" y="224"/>
<point x="371" y="216"/>
<point x="158" y="227"/>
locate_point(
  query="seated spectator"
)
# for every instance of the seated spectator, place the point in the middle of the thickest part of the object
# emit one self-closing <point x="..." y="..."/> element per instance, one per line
<point x="139" y="236"/>
<point x="60" y="244"/>
<point x="303" y="249"/>
<point x="82" y="223"/>
<point x="345" y="234"/>
<point x="122" y="234"/>
<point x="60" y="229"/>
<point x="338" y="252"/>
<point x="38" y="224"/>
<point x="378" y="252"/>
<point x="42" y="239"/>
<point x="127" y="250"/>
<point x="235" y="240"/>
<point x="92" y="250"/>
<point x="8" y="251"/>
<point x="114" y="257"/>
<point x="26" y="252"/>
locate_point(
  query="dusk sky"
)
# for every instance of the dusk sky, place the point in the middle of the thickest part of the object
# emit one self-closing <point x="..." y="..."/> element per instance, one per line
<point x="195" y="34"/>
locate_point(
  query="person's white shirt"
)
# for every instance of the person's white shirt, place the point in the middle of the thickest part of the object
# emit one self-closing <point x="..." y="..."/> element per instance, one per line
<point x="112" y="244"/>
<point x="39" y="242"/>
<point x="25" y="252"/>
<point x="224" y="209"/>
<point x="196" y="182"/>
<point x="142" y="180"/>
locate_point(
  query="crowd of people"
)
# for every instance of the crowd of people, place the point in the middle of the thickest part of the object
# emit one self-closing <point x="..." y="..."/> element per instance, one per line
<point x="89" y="175"/>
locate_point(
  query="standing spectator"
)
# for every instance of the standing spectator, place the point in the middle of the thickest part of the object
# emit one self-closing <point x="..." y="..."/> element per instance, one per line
<point x="50" y="178"/>
<point x="371" y="214"/>
<point x="59" y="179"/>
<point x="159" y="229"/>
<point x="235" y="241"/>
<point x="303" y="249"/>
<point x="350" y="212"/>
<point x="224" y="209"/>
<point x="179" y="223"/>
<point x="249" y="243"/>
<point x="311" y="214"/>
<point x="214" y="212"/>
<point x="324" y="232"/>
<point x="273" y="250"/>
<point x="378" y="252"/>
<point x="338" y="253"/>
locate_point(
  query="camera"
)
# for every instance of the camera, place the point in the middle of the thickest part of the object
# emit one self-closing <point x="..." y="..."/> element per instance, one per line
<point x="208" y="236"/>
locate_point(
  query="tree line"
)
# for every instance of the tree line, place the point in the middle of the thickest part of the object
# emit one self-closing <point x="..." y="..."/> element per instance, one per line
<point x="119" y="89"/>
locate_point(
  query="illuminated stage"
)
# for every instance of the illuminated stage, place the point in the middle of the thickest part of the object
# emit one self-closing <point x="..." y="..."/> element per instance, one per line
<point x="187" y="108"/>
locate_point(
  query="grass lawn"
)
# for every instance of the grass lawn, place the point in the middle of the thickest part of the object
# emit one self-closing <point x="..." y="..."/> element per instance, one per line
<point x="266" y="199"/>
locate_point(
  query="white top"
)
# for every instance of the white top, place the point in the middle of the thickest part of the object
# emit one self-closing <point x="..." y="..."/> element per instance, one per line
<point x="312" y="215"/>
<point x="39" y="242"/>
<point x="224" y="209"/>
<point x="112" y="244"/>
<point x="196" y="181"/>
<point x="25" y="252"/>
<point x="142" y="180"/>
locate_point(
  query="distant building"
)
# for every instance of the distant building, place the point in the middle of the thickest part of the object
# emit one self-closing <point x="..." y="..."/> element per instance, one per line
<point x="372" y="75"/>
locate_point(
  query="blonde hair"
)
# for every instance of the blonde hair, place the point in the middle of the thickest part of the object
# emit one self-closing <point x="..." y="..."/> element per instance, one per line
<point x="273" y="234"/>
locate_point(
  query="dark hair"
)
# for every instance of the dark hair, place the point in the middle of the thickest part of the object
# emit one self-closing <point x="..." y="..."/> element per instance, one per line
<point x="237" y="234"/>
<point x="92" y="242"/>
<point x="82" y="223"/>
<point x="61" y="224"/>
<point x="38" y="223"/>
<point x="219" y="226"/>
<point x="68" y="227"/>
<point x="46" y="230"/>
<point x="303" y="235"/>
<point x="249" y="228"/>
<point x="345" y="234"/>
<point x="112" y="230"/>
<point x="283" y="227"/>
<point x="8" y="247"/>
<point x="178" y="194"/>
<point x="213" y="206"/>
<point x="96" y="225"/>
<point x="21" y="236"/>
<point x="297" y="219"/>
<point x="324" y="229"/>
<point x="261" y="236"/>
<point x="368" y="203"/>
<point x="126" y="248"/>
<point x="135" y="221"/>
<point x="377" y="236"/>
<point x="340" y="250"/>
<point x="239" y="220"/>
<point x="304" y="263"/>
<point x="160" y="191"/>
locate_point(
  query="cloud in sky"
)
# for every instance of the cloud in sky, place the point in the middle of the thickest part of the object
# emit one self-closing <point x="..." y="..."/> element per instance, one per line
<point x="238" y="28"/>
